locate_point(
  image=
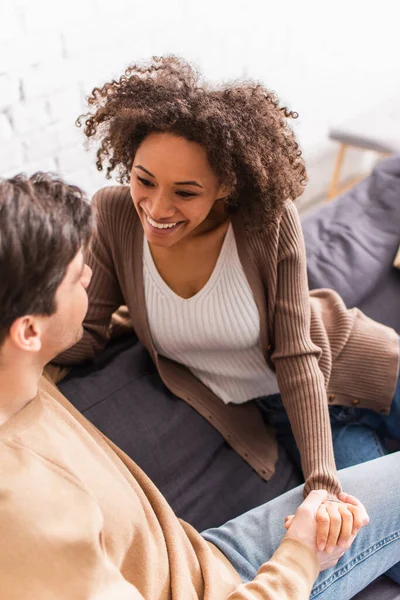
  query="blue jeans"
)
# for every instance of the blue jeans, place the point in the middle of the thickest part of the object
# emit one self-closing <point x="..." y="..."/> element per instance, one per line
<point x="250" y="540"/>
<point x="358" y="433"/>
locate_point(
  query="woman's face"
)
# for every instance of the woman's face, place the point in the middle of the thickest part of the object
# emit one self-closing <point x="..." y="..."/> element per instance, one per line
<point x="173" y="188"/>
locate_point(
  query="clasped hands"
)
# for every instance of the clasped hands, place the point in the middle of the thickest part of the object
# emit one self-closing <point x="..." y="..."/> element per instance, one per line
<point x="328" y="527"/>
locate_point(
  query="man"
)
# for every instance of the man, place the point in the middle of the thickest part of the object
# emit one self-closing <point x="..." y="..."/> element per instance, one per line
<point x="78" y="519"/>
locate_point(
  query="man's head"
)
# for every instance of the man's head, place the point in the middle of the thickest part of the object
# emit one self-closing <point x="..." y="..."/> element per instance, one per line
<point x="44" y="225"/>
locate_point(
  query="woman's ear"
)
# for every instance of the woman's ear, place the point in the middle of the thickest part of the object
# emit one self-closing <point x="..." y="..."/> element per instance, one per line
<point x="224" y="192"/>
<point x="26" y="334"/>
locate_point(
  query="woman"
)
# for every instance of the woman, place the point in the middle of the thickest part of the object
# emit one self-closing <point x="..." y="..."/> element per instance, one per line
<point x="206" y="250"/>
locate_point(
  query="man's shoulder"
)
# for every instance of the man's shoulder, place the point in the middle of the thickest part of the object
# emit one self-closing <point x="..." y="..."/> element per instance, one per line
<point x="44" y="514"/>
<point x="32" y="448"/>
<point x="31" y="482"/>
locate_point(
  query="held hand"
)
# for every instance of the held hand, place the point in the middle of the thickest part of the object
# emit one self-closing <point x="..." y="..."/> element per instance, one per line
<point x="337" y="525"/>
<point x="339" y="522"/>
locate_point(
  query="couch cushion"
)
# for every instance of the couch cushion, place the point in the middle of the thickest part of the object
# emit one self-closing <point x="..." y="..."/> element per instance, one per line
<point x="352" y="241"/>
<point x="382" y="588"/>
<point x="203" y="479"/>
<point x="383" y="302"/>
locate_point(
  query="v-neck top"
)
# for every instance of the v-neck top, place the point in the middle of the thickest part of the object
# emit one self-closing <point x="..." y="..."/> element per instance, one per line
<point x="216" y="332"/>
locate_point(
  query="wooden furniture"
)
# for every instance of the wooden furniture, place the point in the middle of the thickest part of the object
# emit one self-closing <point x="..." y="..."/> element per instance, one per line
<point x="377" y="131"/>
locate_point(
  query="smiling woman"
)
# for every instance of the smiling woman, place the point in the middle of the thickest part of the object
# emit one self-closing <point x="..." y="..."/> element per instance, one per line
<point x="241" y="128"/>
<point x="205" y="247"/>
<point x="177" y="194"/>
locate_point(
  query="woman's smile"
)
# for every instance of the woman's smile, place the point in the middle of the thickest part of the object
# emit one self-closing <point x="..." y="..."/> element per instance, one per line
<point x="161" y="228"/>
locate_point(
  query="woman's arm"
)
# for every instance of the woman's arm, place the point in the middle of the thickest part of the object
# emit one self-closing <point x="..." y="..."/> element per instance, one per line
<point x="104" y="292"/>
<point x="295" y="357"/>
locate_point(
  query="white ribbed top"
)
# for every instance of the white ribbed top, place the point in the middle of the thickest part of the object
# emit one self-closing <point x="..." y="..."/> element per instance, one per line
<point x="214" y="333"/>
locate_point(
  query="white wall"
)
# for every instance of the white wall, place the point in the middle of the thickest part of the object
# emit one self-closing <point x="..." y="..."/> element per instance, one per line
<point x="327" y="60"/>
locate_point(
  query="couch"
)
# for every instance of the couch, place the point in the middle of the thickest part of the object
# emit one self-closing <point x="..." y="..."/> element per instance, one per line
<point x="351" y="243"/>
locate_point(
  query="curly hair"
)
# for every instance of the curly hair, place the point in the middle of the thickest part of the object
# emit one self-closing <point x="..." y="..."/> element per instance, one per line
<point x="243" y="128"/>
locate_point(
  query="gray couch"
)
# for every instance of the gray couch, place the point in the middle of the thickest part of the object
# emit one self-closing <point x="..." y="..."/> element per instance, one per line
<point x="351" y="244"/>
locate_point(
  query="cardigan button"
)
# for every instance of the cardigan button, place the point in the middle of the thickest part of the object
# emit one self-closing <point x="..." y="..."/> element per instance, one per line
<point x="331" y="398"/>
<point x="355" y="402"/>
<point x="269" y="347"/>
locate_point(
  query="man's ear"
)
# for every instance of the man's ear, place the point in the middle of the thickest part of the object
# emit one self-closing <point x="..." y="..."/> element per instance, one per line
<point x="26" y="333"/>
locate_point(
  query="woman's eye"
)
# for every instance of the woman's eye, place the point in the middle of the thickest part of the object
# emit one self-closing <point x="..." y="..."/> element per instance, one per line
<point x="183" y="194"/>
<point x="145" y="182"/>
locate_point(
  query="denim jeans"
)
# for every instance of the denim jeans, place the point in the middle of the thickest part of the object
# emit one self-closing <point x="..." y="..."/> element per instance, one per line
<point x="250" y="540"/>
<point x="358" y="433"/>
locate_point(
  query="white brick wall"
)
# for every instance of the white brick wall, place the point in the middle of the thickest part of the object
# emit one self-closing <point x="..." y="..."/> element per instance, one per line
<point x="328" y="60"/>
<point x="48" y="53"/>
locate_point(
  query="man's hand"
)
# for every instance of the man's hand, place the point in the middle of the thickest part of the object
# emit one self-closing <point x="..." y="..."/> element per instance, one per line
<point x="303" y="527"/>
<point x="337" y="524"/>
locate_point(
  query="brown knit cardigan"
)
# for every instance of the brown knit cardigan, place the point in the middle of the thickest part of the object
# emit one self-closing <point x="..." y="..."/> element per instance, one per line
<point x="321" y="351"/>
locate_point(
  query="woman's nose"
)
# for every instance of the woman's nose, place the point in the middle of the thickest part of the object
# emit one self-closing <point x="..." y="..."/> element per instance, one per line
<point x="161" y="207"/>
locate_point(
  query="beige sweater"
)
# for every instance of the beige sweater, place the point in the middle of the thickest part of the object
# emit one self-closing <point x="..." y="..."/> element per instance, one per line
<point x="312" y="341"/>
<point x="80" y="521"/>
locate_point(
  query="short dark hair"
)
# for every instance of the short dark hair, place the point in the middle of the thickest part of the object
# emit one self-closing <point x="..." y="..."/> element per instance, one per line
<point x="242" y="126"/>
<point x="43" y="224"/>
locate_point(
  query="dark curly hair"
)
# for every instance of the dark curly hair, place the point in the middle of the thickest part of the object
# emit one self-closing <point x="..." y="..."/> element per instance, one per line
<point x="244" y="130"/>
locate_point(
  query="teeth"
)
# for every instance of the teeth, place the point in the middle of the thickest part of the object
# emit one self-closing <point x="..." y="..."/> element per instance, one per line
<point x="160" y="225"/>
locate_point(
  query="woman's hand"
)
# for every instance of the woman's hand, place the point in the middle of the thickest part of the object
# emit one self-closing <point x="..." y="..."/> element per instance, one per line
<point x="339" y="521"/>
<point x="337" y="524"/>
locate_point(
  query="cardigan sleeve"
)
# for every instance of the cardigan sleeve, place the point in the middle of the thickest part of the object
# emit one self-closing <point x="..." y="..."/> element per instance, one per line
<point x="104" y="292"/>
<point x="295" y="357"/>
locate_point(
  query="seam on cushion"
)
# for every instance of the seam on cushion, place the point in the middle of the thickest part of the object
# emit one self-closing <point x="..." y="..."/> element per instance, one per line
<point x="115" y="390"/>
